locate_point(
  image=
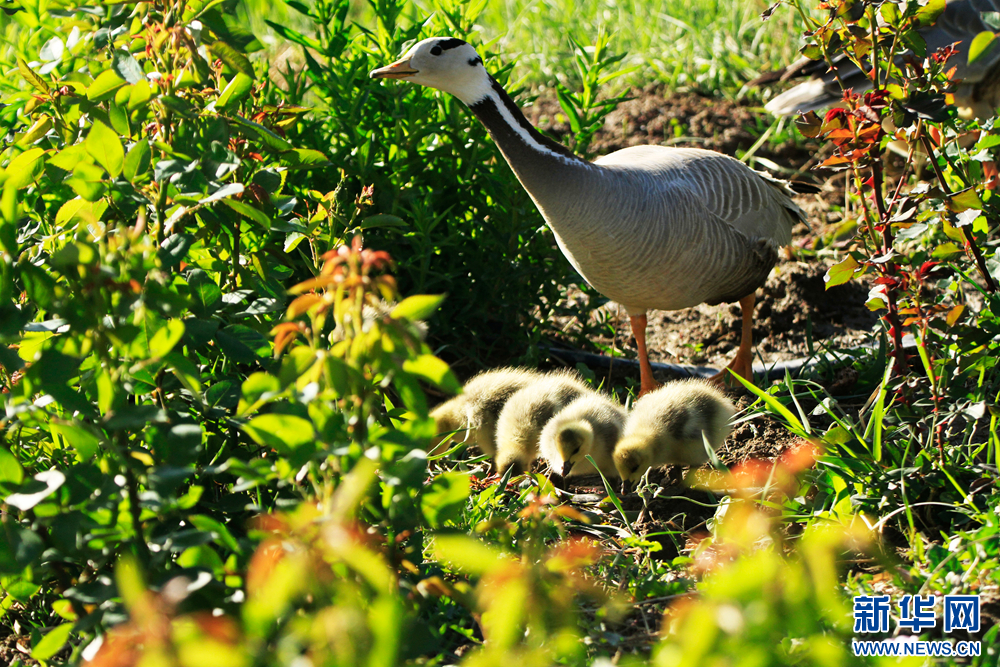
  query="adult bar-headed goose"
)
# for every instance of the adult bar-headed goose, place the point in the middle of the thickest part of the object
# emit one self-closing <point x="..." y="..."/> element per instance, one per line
<point x="671" y="426"/>
<point x="650" y="227"/>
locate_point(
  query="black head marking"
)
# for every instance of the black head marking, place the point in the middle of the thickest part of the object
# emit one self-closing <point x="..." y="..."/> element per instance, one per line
<point x="450" y="43"/>
<point x="475" y="61"/>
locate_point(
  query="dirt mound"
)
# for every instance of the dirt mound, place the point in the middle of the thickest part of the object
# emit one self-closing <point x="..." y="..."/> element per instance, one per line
<point x="678" y="120"/>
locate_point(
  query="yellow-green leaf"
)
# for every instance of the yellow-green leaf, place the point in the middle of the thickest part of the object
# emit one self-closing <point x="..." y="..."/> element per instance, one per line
<point x="31" y="77"/>
<point x="52" y="643"/>
<point x="433" y="370"/>
<point x="165" y="338"/>
<point x="235" y="91"/>
<point x="25" y="168"/>
<point x="105" y="147"/>
<point x="981" y="44"/>
<point x="840" y="273"/>
<point x="230" y="56"/>
<point x="36" y="131"/>
<point x="140" y="94"/>
<point x="417" y="307"/>
<point x="283" y="433"/>
<point x="104" y="85"/>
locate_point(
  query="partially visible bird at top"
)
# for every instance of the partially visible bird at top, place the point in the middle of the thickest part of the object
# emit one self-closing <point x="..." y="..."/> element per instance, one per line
<point x="476" y="409"/>
<point x="650" y="227"/>
<point x="591" y="424"/>
<point x="672" y="426"/>
<point x="976" y="96"/>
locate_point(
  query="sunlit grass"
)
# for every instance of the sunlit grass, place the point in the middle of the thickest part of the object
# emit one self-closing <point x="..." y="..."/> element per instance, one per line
<point x="709" y="46"/>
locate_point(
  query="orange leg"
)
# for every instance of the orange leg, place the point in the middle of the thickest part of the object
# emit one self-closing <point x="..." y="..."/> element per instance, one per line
<point x="646" y="381"/>
<point x="742" y="363"/>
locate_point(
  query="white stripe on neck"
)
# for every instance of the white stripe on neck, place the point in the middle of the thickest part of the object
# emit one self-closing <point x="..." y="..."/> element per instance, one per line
<point x="484" y="89"/>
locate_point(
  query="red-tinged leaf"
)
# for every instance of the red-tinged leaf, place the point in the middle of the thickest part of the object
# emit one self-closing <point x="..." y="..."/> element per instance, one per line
<point x="841" y="133"/>
<point x="835" y="160"/>
<point x="954" y="314"/>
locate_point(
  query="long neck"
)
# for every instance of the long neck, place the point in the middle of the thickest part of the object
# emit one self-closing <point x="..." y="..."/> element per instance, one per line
<point x="549" y="171"/>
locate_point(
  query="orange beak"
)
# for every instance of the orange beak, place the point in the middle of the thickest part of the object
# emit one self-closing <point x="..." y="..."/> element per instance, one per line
<point x="397" y="70"/>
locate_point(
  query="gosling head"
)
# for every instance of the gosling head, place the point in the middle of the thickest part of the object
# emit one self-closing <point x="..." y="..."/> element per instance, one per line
<point x="445" y="63"/>
<point x="573" y="444"/>
<point x="632" y="459"/>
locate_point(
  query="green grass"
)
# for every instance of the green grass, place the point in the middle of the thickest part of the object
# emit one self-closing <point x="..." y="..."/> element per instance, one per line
<point x="710" y="46"/>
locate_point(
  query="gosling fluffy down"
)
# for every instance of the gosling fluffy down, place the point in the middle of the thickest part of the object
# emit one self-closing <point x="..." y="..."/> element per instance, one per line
<point x="522" y="419"/>
<point x="592" y="424"/>
<point x="666" y="427"/>
<point x="477" y="408"/>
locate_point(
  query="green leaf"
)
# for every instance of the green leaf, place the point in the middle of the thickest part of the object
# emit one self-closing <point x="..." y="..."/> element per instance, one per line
<point x="270" y="139"/>
<point x="52" y="643"/>
<point x="467" y="554"/>
<point x="295" y="37"/>
<point x="139" y="95"/>
<point x="83" y="441"/>
<point x="234" y="91"/>
<point x="303" y="158"/>
<point x="840" y="273"/>
<point x="127" y="67"/>
<point x="930" y="12"/>
<point x="186" y="371"/>
<point x="221" y="533"/>
<point x="87" y="181"/>
<point x="119" y="119"/>
<point x="981" y="45"/>
<point x="248" y="211"/>
<point x="231" y="57"/>
<point x="417" y="307"/>
<point x="205" y="294"/>
<point x="381" y="220"/>
<point x="164" y="340"/>
<point x="794" y="425"/>
<point x="445" y="498"/>
<point x="965" y="199"/>
<point x="282" y="433"/>
<point x="11" y="471"/>
<point x="25" y="168"/>
<point x="433" y="370"/>
<point x="105" y="147"/>
<point x="137" y="161"/>
<point x="31" y="77"/>
<point x="106" y="83"/>
<point x="37" y="130"/>
<point x="73" y="254"/>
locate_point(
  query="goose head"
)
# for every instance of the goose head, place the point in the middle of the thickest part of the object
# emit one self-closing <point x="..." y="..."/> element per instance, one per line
<point x="444" y="63"/>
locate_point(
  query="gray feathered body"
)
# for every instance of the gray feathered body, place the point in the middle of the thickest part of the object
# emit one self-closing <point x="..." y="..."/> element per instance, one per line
<point x="650" y="227"/>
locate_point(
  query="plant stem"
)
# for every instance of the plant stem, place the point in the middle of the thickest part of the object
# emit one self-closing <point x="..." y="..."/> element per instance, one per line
<point x="970" y="241"/>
